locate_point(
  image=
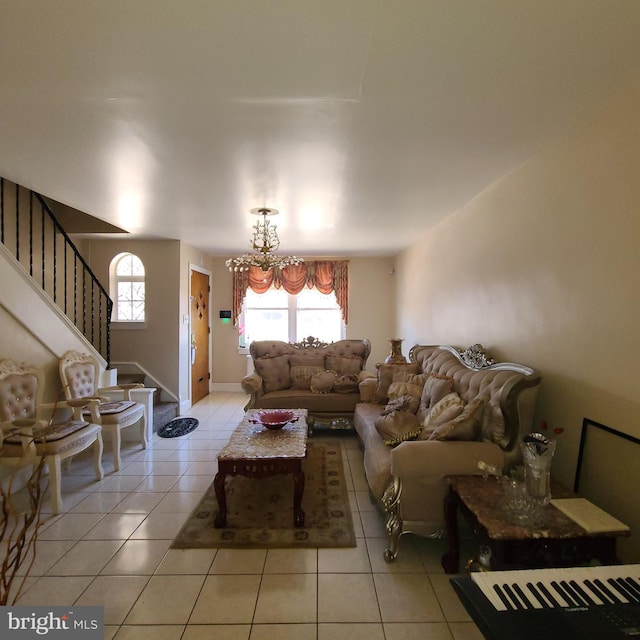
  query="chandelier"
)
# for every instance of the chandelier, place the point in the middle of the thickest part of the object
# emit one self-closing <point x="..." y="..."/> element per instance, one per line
<point x="264" y="242"/>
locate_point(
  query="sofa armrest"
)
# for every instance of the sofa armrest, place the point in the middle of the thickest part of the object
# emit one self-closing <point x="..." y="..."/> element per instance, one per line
<point x="437" y="459"/>
<point x="367" y="387"/>
<point x="251" y="384"/>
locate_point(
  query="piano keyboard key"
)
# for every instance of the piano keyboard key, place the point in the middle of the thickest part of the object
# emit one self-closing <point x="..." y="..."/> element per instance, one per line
<point x="573" y="587"/>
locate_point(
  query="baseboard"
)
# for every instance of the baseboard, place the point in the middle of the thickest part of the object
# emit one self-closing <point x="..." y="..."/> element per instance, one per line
<point x="226" y="386"/>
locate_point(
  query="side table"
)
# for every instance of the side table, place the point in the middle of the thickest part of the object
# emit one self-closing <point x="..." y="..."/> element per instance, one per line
<point x="556" y="541"/>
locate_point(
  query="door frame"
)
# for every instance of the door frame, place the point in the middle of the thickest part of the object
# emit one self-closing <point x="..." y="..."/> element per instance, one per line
<point x="207" y="272"/>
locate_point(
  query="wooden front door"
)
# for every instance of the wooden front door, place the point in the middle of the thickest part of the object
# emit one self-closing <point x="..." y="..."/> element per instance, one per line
<point x="200" y="373"/>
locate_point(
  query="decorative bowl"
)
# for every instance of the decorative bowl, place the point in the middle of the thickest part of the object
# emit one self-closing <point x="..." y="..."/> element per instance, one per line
<point x="275" y="419"/>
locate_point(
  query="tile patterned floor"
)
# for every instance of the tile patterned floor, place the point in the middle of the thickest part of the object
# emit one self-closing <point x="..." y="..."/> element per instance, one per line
<point x="111" y="547"/>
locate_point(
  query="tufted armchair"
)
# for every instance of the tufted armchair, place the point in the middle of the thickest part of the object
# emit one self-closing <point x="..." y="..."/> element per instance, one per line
<point x="25" y="436"/>
<point x="80" y="374"/>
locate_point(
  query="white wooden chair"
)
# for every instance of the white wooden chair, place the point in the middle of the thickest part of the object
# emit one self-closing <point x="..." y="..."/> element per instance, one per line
<point x="80" y="375"/>
<point x="26" y="436"/>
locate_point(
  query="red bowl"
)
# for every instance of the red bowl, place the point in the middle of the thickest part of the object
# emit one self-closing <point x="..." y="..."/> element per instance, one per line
<point x="275" y="419"/>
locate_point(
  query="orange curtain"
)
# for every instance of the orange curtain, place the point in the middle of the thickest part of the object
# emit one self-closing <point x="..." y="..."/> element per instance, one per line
<point x="325" y="275"/>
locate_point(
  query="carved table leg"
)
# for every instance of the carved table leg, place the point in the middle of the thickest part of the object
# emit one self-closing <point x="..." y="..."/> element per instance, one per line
<point x="451" y="560"/>
<point x="298" y="490"/>
<point x="218" y="484"/>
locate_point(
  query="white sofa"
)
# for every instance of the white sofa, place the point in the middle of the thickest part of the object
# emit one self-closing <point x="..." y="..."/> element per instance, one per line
<point x="408" y="479"/>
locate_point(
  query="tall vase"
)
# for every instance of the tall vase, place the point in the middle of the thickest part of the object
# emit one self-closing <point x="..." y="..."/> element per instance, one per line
<point x="537" y="456"/>
<point x="395" y="357"/>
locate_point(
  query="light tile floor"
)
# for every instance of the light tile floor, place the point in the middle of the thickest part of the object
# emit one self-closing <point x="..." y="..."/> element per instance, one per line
<point x="110" y="547"/>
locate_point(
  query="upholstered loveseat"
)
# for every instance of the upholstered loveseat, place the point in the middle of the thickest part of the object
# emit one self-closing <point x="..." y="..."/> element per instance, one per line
<point x="322" y="378"/>
<point x="439" y="415"/>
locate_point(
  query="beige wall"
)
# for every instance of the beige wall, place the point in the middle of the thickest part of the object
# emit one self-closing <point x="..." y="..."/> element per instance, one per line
<point x="542" y="269"/>
<point x="156" y="346"/>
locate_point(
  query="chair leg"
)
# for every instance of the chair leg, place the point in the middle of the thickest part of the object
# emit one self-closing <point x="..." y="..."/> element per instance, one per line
<point x="143" y="431"/>
<point x="53" y="462"/>
<point x="98" y="446"/>
<point x="115" y="444"/>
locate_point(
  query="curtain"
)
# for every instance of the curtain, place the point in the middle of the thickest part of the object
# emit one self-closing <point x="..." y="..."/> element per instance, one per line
<point x="325" y="275"/>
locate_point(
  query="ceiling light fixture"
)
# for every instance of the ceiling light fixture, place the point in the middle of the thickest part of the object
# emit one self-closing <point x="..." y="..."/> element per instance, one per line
<point x="264" y="242"/>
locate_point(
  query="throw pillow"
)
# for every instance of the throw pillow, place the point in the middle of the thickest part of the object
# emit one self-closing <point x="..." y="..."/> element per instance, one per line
<point x="323" y="381"/>
<point x="344" y="365"/>
<point x="450" y="407"/>
<point x="435" y="388"/>
<point x="385" y="378"/>
<point x="467" y="426"/>
<point x="346" y="384"/>
<point x="403" y="403"/>
<point x="397" y="426"/>
<point x="274" y="372"/>
<point x="407" y="384"/>
<point x="301" y="375"/>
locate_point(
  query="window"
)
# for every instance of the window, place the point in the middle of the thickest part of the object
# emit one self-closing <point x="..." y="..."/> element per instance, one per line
<point x="278" y="315"/>
<point x="126" y="276"/>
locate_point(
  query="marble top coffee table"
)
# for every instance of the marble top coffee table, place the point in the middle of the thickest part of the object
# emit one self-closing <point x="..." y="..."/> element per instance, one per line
<point x="257" y="452"/>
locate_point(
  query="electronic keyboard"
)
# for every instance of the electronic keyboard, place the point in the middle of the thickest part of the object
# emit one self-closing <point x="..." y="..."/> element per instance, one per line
<point x="585" y="603"/>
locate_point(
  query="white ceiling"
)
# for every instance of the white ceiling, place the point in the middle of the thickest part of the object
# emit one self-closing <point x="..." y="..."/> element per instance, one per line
<point x="363" y="121"/>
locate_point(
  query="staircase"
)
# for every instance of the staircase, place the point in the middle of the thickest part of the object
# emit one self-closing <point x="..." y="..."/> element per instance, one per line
<point x="163" y="410"/>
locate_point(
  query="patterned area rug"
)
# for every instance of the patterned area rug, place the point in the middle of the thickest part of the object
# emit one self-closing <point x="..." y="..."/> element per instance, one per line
<point x="178" y="427"/>
<point x="260" y="512"/>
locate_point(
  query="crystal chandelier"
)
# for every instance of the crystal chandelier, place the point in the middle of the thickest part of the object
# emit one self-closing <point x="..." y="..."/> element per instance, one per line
<point x="264" y="242"/>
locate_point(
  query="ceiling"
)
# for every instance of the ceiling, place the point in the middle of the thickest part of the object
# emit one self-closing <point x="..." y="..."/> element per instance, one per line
<point x="364" y="122"/>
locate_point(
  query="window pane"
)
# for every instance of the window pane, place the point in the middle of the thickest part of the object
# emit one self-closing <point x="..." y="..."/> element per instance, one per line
<point x="137" y="311"/>
<point x="124" y="291"/>
<point x="274" y="298"/>
<point x="326" y="325"/>
<point x="129" y="265"/>
<point x="266" y="324"/>
<point x="312" y="298"/>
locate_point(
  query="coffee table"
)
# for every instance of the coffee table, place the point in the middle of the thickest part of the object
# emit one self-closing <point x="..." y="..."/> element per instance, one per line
<point x="257" y="452"/>
<point x="554" y="541"/>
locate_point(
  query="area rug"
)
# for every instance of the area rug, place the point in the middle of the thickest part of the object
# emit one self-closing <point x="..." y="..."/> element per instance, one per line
<point x="260" y="511"/>
<point x="178" y="427"/>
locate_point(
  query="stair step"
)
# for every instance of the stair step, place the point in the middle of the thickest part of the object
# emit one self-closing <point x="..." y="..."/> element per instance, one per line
<point x="163" y="412"/>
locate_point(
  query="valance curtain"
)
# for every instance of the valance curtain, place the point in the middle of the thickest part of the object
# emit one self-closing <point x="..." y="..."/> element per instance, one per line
<point x="325" y="275"/>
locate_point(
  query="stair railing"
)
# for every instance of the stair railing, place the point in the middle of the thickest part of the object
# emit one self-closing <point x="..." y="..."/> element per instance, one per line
<point x="31" y="232"/>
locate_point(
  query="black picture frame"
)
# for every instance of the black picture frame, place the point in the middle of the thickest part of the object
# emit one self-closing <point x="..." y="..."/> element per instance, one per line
<point x="608" y="474"/>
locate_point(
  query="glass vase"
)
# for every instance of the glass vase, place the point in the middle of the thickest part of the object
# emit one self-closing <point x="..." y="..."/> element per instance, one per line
<point x="537" y="456"/>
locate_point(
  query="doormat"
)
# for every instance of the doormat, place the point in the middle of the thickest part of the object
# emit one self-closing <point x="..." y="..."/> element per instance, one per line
<point x="260" y="511"/>
<point x="178" y="427"/>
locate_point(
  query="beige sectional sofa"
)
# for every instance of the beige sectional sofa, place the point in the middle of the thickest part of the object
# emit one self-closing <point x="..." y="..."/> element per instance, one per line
<point x="490" y="405"/>
<point x="323" y="378"/>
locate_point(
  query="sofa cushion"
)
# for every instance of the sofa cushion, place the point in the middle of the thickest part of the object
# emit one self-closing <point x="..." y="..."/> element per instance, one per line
<point x="385" y="378"/>
<point x="404" y="384"/>
<point x="397" y="426"/>
<point x="466" y="426"/>
<point x="317" y="403"/>
<point x="435" y="388"/>
<point x="274" y="372"/>
<point x="301" y="375"/>
<point x="344" y="365"/>
<point x="323" y="381"/>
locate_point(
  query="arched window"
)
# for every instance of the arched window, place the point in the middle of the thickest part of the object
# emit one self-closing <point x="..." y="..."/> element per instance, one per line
<point x="126" y="278"/>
